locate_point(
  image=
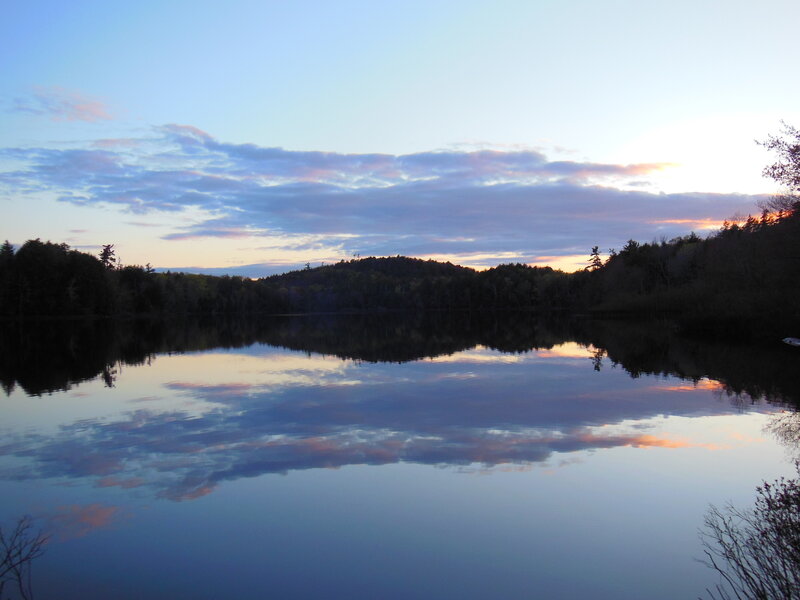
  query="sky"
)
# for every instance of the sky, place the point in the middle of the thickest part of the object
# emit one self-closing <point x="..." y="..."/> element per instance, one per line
<point x="253" y="137"/>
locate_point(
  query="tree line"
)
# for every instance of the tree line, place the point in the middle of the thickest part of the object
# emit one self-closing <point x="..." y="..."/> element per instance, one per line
<point x="745" y="273"/>
<point x="51" y="279"/>
<point x="742" y="278"/>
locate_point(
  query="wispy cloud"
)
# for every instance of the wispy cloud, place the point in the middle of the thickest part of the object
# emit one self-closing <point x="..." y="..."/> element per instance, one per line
<point x="440" y="203"/>
<point x="60" y="104"/>
<point x="77" y="520"/>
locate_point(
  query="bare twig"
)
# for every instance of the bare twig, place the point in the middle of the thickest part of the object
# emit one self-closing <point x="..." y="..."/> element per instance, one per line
<point x="756" y="551"/>
<point x="18" y="549"/>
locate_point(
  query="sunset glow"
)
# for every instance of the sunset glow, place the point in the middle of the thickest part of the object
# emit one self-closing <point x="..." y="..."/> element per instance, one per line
<point x="356" y="143"/>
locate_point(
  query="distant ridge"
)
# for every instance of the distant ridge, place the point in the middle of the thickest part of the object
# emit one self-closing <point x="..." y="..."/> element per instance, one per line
<point x="740" y="281"/>
<point x="392" y="266"/>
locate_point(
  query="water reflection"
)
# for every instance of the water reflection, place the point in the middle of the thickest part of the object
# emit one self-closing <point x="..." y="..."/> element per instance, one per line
<point x="43" y="358"/>
<point x="46" y="357"/>
<point x="466" y="404"/>
<point x="785" y="427"/>
<point x="749" y="372"/>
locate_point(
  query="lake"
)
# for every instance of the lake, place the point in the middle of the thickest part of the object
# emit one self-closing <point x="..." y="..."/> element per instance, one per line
<point x="432" y="456"/>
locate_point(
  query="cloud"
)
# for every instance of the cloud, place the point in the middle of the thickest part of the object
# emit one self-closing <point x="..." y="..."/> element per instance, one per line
<point x="384" y="170"/>
<point x="456" y="203"/>
<point x="432" y="412"/>
<point x="77" y="520"/>
<point x="209" y="230"/>
<point x="60" y="104"/>
<point x="143" y="224"/>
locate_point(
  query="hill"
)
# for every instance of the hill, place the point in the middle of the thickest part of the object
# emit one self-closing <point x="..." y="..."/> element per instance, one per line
<point x="740" y="281"/>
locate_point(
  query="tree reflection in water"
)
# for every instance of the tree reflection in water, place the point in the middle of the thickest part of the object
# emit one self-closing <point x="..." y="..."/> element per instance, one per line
<point x="785" y="426"/>
<point x="42" y="358"/>
<point x="757" y="550"/>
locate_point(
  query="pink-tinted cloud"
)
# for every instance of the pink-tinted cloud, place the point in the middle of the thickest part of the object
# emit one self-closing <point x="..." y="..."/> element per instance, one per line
<point x="701" y="385"/>
<point x="458" y="204"/>
<point x="75" y="520"/>
<point x="252" y="431"/>
<point x="60" y="104"/>
<point x="116" y="143"/>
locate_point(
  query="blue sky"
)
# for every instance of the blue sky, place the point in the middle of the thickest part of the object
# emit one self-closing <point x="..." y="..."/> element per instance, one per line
<point x="253" y="137"/>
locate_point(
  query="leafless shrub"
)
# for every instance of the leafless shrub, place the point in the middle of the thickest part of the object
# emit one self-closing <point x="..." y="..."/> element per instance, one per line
<point x="785" y="170"/>
<point x="19" y="547"/>
<point x="756" y="551"/>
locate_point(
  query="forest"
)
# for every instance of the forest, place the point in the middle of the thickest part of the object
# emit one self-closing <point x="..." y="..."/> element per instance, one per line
<point x="744" y="276"/>
<point x="740" y="280"/>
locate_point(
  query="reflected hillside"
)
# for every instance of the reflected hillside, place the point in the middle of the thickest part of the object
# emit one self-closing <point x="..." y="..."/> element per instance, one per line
<point x="321" y="392"/>
<point x="46" y="356"/>
<point x="408" y="337"/>
<point x="43" y="357"/>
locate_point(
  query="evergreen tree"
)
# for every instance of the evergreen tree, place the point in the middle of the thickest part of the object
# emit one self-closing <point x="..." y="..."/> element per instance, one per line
<point x="595" y="262"/>
<point x="7" y="279"/>
<point x="108" y="257"/>
<point x="6" y="251"/>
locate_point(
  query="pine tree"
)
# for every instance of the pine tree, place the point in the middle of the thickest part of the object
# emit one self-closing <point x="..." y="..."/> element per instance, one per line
<point x="595" y="262"/>
<point x="107" y="256"/>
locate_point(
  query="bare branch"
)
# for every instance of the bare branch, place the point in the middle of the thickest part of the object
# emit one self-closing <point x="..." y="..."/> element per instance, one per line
<point x="756" y="551"/>
<point x="785" y="170"/>
<point x="18" y="549"/>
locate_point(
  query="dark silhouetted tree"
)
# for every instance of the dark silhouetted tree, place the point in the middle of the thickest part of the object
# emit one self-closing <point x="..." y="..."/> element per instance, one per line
<point x="108" y="256"/>
<point x="786" y="170"/>
<point x="595" y="262"/>
<point x="6" y="251"/>
<point x="7" y="278"/>
<point x="19" y="547"/>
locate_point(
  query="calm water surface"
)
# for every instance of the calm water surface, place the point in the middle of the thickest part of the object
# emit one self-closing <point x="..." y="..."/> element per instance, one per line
<point x="379" y="458"/>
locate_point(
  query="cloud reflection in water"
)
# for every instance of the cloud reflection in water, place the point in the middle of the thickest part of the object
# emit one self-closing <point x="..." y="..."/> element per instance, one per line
<point x="292" y="413"/>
